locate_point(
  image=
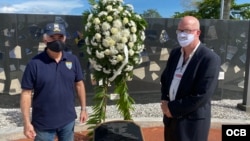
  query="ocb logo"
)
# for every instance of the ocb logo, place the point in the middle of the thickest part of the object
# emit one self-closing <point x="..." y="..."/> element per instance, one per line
<point x="236" y="132"/>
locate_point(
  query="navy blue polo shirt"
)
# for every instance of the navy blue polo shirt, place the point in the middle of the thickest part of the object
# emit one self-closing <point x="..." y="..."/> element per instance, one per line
<point x="53" y="84"/>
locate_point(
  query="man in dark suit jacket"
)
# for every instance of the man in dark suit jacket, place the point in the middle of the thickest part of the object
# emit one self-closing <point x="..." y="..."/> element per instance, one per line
<point x="188" y="83"/>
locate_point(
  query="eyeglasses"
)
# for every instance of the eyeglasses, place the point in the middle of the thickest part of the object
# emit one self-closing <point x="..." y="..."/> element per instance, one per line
<point x="188" y="31"/>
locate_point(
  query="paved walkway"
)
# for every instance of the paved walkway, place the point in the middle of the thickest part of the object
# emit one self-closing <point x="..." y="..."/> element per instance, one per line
<point x="152" y="129"/>
<point x="149" y="134"/>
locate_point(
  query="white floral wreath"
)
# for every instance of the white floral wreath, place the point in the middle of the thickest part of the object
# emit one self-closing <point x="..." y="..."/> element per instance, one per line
<point x="114" y="36"/>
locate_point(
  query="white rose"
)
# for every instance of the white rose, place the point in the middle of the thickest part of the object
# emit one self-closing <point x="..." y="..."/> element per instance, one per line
<point x="97" y="21"/>
<point x="105" y="42"/>
<point x="131" y="44"/>
<point x="99" y="55"/>
<point x="131" y="52"/>
<point x="98" y="36"/>
<point x="125" y="20"/>
<point x="114" y="30"/>
<point x="109" y="8"/>
<point x="89" y="17"/>
<point x="113" y="50"/>
<point x="125" y="33"/>
<point x="124" y="40"/>
<point x="133" y="38"/>
<point x="120" y="46"/>
<point x="109" y="18"/>
<point x="143" y="37"/>
<point x="120" y="8"/>
<point x="111" y="42"/>
<point x="117" y="23"/>
<point x="105" y="26"/>
<point x="133" y="29"/>
<point x="107" y="52"/>
<point x="119" y="58"/>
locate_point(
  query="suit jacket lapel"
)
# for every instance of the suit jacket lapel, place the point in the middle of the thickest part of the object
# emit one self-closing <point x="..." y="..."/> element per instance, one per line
<point x="188" y="75"/>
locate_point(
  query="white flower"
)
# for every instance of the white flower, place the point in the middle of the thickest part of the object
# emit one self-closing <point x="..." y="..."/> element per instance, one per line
<point x="109" y="8"/>
<point x="88" y="25"/>
<point x="131" y="44"/>
<point x="120" y="8"/>
<point x="104" y="1"/>
<point x="125" y="33"/>
<point x="143" y="37"/>
<point x="131" y="8"/>
<point x="133" y="29"/>
<point x="90" y="17"/>
<point x="99" y="55"/>
<point x="111" y="42"/>
<point x="89" y="50"/>
<point x="124" y="40"/>
<point x="129" y="68"/>
<point x="113" y="60"/>
<point x="117" y="23"/>
<point x="132" y="23"/>
<point x="93" y="43"/>
<point x="138" y="16"/>
<point x="125" y="20"/>
<point x="87" y="40"/>
<point x="116" y="37"/>
<point x="127" y="13"/>
<point x="131" y="52"/>
<point x="107" y="52"/>
<point x="97" y="27"/>
<point x="114" y="30"/>
<point x="105" y="42"/>
<point x="105" y="26"/>
<point x="120" y="47"/>
<point x="107" y="71"/>
<point x="95" y="65"/>
<point x="137" y="60"/>
<point x="114" y="34"/>
<point x="119" y="58"/>
<point x="140" y="48"/>
<point x="113" y="50"/>
<point x="98" y="36"/>
<point x="133" y="38"/>
<point x="97" y="21"/>
<point x="103" y="13"/>
<point x="109" y="18"/>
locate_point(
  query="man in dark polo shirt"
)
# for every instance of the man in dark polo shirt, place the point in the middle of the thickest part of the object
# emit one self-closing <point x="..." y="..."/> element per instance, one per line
<point x="53" y="76"/>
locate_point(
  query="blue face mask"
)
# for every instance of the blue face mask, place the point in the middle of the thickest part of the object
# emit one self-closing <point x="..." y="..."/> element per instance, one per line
<point x="185" y="39"/>
<point x="56" y="46"/>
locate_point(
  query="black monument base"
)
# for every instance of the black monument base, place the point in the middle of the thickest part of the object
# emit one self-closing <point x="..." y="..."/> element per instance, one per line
<point x="120" y="130"/>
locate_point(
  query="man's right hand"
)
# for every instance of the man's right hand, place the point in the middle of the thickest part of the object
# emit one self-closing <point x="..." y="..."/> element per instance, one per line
<point x="29" y="131"/>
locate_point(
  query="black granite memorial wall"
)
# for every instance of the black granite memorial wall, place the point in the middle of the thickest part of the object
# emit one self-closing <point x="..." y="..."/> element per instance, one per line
<point x="21" y="39"/>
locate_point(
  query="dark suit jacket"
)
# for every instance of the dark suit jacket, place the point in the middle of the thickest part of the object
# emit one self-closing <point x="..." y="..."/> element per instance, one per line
<point x="193" y="97"/>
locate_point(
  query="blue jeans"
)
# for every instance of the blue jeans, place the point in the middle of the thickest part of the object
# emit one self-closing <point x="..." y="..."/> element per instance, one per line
<point x="66" y="133"/>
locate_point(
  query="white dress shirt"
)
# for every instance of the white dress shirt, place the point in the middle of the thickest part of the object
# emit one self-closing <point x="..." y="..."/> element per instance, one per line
<point x="179" y="71"/>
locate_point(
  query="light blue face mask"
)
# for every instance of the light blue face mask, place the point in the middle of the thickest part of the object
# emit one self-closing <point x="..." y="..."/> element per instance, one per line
<point x="185" y="39"/>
